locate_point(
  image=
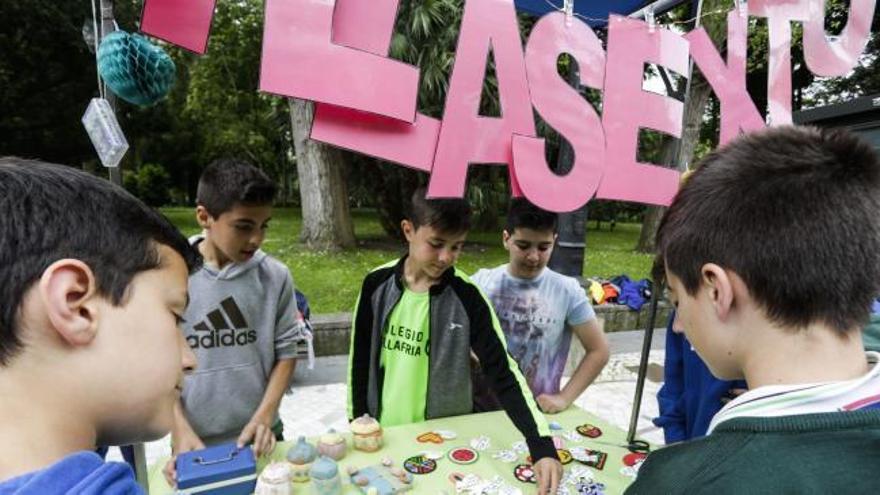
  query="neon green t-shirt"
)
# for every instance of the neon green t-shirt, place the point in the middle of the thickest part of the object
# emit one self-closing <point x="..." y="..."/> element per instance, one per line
<point x="405" y="359"/>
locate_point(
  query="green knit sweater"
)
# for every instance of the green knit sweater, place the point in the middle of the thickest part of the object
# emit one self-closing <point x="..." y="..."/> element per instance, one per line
<point x="835" y="453"/>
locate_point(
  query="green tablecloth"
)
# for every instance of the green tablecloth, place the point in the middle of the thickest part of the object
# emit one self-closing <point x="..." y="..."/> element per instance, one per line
<point x="400" y="443"/>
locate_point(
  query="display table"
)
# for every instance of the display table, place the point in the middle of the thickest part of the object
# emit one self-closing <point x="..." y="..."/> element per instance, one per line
<point x="400" y="443"/>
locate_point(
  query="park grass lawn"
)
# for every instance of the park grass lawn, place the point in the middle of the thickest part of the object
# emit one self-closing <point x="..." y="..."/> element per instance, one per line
<point x="332" y="280"/>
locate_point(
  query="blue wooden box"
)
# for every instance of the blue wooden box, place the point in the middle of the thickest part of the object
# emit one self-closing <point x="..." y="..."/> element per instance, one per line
<point x="220" y="470"/>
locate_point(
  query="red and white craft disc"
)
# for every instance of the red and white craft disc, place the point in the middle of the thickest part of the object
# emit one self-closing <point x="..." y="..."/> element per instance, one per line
<point x="463" y="455"/>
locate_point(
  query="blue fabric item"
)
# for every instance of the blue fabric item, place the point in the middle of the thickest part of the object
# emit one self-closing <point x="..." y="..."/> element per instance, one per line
<point x="632" y="293"/>
<point x="82" y="473"/>
<point x="875" y="308"/>
<point x="690" y="395"/>
<point x="302" y="304"/>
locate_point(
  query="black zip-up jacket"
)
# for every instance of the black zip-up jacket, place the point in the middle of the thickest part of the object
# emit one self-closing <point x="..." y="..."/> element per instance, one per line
<point x="461" y="320"/>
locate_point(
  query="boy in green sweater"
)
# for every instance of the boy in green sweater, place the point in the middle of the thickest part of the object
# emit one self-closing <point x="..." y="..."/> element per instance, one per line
<point x="747" y="249"/>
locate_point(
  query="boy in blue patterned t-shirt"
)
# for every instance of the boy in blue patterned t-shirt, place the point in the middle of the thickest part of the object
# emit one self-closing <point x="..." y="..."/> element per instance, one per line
<point x="539" y="310"/>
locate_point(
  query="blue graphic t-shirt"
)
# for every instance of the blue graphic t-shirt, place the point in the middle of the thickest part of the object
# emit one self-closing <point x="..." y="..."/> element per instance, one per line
<point x="536" y="316"/>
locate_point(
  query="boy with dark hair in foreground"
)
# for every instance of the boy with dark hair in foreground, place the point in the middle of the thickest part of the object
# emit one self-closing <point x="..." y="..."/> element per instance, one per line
<point x="748" y="248"/>
<point x="397" y="377"/>
<point x="94" y="286"/>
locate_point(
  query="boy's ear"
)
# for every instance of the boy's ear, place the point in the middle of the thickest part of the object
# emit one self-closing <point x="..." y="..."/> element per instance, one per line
<point x="720" y="286"/>
<point x="68" y="291"/>
<point x="505" y="239"/>
<point x="203" y="217"/>
<point x="408" y="229"/>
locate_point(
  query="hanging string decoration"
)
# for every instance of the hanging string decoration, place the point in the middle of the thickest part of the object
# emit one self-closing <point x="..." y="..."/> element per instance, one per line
<point x="136" y="70"/>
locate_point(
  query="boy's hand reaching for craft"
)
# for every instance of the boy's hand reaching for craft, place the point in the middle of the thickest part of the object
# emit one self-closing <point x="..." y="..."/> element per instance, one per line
<point x="258" y="432"/>
<point x="183" y="439"/>
<point x="548" y="471"/>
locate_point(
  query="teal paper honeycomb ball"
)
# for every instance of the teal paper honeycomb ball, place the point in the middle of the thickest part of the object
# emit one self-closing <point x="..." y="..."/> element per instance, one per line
<point x="136" y="70"/>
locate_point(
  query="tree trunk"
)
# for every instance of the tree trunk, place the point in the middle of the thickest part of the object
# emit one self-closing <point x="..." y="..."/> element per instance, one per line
<point x="322" y="188"/>
<point x="680" y="153"/>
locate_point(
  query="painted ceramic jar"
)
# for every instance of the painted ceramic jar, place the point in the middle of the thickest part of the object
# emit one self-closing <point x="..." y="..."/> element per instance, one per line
<point x="274" y="480"/>
<point x="325" y="477"/>
<point x="300" y="457"/>
<point x="366" y="434"/>
<point x="332" y="444"/>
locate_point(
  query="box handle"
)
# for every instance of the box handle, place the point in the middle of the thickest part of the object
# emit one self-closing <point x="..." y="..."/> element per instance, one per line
<point x="201" y="461"/>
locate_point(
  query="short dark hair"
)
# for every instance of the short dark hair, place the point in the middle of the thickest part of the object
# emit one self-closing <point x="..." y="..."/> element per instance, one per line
<point x="228" y="181"/>
<point x="523" y="214"/>
<point x="52" y="212"/>
<point x="448" y="215"/>
<point x="795" y="212"/>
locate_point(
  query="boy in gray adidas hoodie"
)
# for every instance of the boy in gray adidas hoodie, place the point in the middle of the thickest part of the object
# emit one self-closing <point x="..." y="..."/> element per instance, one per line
<point x="242" y="322"/>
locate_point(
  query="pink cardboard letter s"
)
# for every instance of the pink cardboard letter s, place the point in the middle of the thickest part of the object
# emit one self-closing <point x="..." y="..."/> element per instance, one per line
<point x="300" y="61"/>
<point x="627" y="108"/>
<point x="186" y="24"/>
<point x="565" y="110"/>
<point x="465" y="137"/>
<point x="738" y="111"/>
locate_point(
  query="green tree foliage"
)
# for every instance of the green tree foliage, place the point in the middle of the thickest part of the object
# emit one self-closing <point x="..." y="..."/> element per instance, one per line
<point x="47" y="76"/>
<point x="151" y="183"/>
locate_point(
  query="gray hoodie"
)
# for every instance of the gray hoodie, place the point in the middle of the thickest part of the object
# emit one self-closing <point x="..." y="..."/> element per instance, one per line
<point x="240" y="321"/>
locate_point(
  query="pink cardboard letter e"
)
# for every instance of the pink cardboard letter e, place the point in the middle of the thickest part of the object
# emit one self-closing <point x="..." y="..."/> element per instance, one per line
<point x="465" y="137"/>
<point x="627" y="108"/>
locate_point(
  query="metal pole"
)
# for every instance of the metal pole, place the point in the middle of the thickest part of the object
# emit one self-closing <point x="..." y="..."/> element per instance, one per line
<point x="658" y="289"/>
<point x="108" y="25"/>
<point x="643" y="364"/>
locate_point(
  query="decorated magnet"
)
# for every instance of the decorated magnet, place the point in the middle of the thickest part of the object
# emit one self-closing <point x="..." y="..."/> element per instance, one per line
<point x="480" y="443"/>
<point x="429" y="437"/>
<point x="564" y="456"/>
<point x="463" y="455"/>
<point x="593" y="458"/>
<point x="419" y="464"/>
<point x="589" y="431"/>
<point x="505" y="456"/>
<point x="447" y="434"/>
<point x="525" y="473"/>
<point x="633" y="458"/>
<point x="432" y="454"/>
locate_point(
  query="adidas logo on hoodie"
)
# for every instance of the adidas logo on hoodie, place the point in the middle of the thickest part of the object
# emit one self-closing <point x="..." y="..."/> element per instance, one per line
<point x="223" y="327"/>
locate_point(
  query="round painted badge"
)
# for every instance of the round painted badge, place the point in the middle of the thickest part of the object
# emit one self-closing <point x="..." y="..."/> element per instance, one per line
<point x="419" y="464"/>
<point x="589" y="431"/>
<point x="463" y="455"/>
<point x="564" y="456"/>
<point x="633" y="458"/>
<point x="525" y="473"/>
